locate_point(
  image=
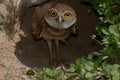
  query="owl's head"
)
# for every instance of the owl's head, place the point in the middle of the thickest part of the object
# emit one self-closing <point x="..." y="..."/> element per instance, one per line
<point x="60" y="16"/>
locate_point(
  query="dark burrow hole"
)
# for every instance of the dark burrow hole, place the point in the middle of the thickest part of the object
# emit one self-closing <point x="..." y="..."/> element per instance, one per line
<point x="35" y="53"/>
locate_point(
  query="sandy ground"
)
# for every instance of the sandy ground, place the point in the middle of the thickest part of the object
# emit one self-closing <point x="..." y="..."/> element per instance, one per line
<point x="10" y="67"/>
<point x="9" y="64"/>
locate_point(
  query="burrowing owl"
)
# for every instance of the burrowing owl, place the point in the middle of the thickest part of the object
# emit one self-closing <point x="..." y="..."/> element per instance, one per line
<point x="53" y="22"/>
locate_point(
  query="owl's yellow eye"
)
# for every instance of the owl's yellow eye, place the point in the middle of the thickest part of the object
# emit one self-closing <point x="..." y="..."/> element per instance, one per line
<point x="67" y="15"/>
<point x="53" y="13"/>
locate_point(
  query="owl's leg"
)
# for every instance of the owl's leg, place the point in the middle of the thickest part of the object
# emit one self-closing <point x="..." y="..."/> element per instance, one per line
<point x="49" y="42"/>
<point x="57" y="47"/>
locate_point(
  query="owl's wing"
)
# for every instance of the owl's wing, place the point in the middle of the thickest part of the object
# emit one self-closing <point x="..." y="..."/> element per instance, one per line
<point x="74" y="29"/>
<point x="37" y="23"/>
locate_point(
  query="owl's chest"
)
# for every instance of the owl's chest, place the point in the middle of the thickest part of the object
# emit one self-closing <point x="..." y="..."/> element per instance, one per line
<point x="51" y="33"/>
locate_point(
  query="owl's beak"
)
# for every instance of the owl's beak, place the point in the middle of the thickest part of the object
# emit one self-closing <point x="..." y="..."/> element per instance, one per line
<point x="59" y="19"/>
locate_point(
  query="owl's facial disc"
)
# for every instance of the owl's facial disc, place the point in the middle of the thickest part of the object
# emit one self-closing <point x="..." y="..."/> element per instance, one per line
<point x="60" y="20"/>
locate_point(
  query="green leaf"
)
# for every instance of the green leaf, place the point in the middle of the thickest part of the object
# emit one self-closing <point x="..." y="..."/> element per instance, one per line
<point x="115" y="72"/>
<point x="105" y="31"/>
<point x="93" y="54"/>
<point x="106" y="40"/>
<point x="105" y="57"/>
<point x="78" y="61"/>
<point x="83" y="71"/>
<point x="88" y="75"/>
<point x="73" y="68"/>
<point x="89" y="65"/>
<point x="30" y="72"/>
<point x="106" y="69"/>
<point x="116" y="77"/>
<point x="48" y="70"/>
<point x="95" y="66"/>
<point x="113" y="29"/>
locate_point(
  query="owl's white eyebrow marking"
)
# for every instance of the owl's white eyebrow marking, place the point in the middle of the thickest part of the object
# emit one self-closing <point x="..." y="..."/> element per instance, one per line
<point x="67" y="12"/>
<point x="52" y="9"/>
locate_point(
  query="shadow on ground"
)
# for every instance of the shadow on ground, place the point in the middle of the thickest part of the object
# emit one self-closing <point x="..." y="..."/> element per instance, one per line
<point x="35" y="53"/>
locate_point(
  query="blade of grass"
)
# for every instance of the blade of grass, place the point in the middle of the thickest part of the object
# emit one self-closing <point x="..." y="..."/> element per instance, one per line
<point x="6" y="77"/>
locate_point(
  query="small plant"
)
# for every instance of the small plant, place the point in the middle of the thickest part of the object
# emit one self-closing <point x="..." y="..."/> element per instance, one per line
<point x="108" y="27"/>
<point x="47" y="74"/>
<point x="8" y="21"/>
<point x="93" y="67"/>
<point x="5" y="28"/>
<point x="6" y="77"/>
